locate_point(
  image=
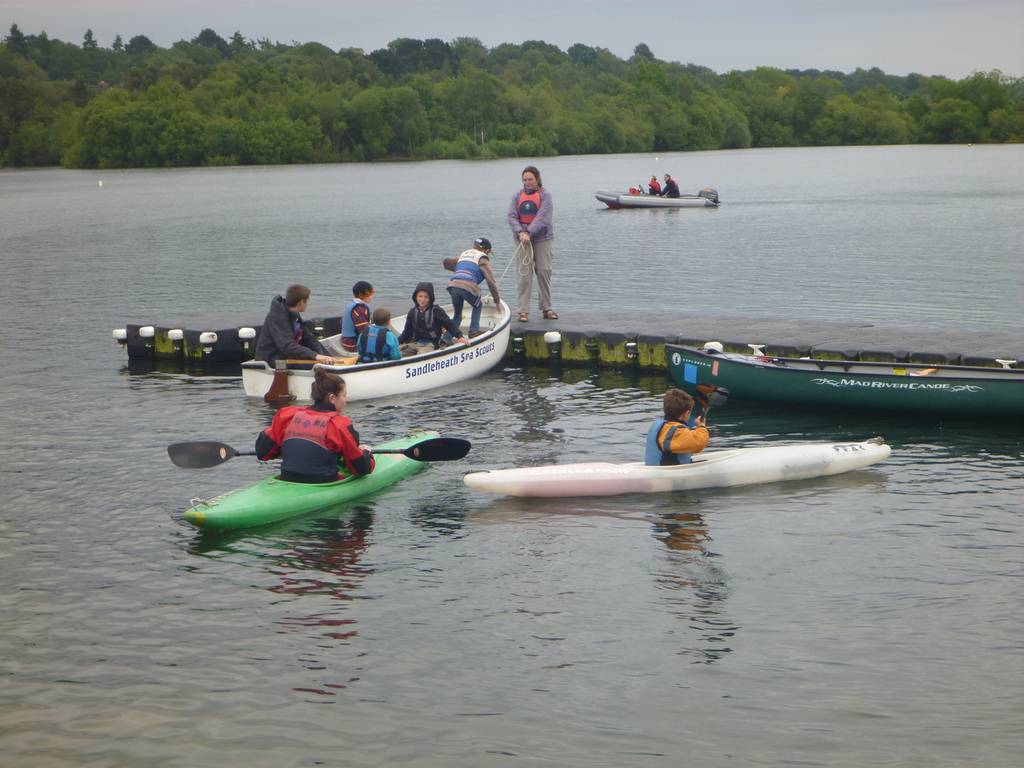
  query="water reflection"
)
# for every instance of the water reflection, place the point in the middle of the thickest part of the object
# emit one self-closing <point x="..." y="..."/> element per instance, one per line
<point x="325" y="565"/>
<point x="690" y="568"/>
<point x="439" y="516"/>
<point x="317" y="563"/>
<point x="683" y="532"/>
<point x="533" y="410"/>
<point x="689" y="577"/>
<point x="318" y="555"/>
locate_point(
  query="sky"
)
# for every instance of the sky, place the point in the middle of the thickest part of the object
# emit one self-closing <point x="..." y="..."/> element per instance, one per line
<point x="930" y="37"/>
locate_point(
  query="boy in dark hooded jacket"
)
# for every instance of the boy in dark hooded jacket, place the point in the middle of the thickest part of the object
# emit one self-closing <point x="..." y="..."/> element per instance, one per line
<point x="426" y="322"/>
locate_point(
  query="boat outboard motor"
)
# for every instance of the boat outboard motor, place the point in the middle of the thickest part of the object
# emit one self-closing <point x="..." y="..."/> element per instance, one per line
<point x="709" y="194"/>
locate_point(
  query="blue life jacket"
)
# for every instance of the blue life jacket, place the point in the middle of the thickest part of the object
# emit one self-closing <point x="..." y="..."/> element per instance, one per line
<point x="348" y="328"/>
<point x="655" y="455"/>
<point x="373" y="344"/>
<point x="468" y="267"/>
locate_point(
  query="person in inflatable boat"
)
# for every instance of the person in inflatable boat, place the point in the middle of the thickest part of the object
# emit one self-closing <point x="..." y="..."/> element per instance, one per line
<point x="679" y="434"/>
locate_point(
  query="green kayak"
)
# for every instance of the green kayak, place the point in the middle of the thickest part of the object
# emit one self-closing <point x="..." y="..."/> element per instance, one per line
<point x="271" y="500"/>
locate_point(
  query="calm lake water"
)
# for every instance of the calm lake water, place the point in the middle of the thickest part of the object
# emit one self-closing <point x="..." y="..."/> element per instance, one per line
<point x="871" y="619"/>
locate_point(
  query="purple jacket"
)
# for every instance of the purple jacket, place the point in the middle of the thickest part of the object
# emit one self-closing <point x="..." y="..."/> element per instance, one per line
<point x="541" y="228"/>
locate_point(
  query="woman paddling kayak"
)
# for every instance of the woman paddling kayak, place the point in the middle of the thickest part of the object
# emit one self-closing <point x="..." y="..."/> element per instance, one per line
<point x="313" y="440"/>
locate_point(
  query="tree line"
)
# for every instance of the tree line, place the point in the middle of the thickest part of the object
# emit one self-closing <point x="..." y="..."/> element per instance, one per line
<point x="216" y="101"/>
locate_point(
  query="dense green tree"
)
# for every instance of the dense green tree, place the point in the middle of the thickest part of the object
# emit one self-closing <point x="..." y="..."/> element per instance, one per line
<point x="952" y="121"/>
<point x="582" y="55"/>
<point x="140" y="44"/>
<point x="214" y="101"/>
<point x="239" y="45"/>
<point x="642" y="53"/>
<point x="1007" y="124"/>
<point x="15" y="41"/>
<point x="210" y="39"/>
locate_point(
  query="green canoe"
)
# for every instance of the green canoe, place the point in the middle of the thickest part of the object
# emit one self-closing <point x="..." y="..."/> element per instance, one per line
<point x="271" y="500"/>
<point x="945" y="390"/>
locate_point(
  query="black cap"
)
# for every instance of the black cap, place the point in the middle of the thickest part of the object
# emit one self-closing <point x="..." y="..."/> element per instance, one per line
<point x="482" y="242"/>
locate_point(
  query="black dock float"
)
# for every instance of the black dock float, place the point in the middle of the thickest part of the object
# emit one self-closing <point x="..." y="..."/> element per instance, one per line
<point x="583" y="338"/>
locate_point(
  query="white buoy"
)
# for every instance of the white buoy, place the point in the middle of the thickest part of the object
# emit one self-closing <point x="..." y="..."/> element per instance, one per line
<point x="147" y="331"/>
<point x="554" y="341"/>
<point x="208" y="338"/>
<point x="100" y="183"/>
<point x="175" y="334"/>
<point x="713" y="346"/>
<point x="245" y="333"/>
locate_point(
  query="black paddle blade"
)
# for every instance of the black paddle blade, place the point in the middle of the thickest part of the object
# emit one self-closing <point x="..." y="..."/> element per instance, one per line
<point x="434" y="449"/>
<point x="200" y="454"/>
<point x="712" y="395"/>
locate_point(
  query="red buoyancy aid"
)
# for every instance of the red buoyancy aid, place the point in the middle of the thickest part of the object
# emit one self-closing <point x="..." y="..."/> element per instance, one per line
<point x="529" y="204"/>
<point x="310" y="440"/>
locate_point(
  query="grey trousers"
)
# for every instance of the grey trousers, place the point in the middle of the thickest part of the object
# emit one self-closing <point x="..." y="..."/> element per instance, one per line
<point x="543" y="256"/>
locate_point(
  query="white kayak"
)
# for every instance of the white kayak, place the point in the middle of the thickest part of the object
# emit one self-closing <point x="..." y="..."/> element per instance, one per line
<point x="713" y="469"/>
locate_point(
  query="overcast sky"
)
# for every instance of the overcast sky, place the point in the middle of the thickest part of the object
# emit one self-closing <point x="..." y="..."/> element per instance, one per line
<point x="947" y="37"/>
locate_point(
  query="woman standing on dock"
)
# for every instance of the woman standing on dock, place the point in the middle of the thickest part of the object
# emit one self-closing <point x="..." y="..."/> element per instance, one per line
<point x="529" y="215"/>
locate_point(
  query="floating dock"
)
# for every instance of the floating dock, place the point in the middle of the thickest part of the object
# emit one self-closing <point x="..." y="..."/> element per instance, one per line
<point x="581" y="338"/>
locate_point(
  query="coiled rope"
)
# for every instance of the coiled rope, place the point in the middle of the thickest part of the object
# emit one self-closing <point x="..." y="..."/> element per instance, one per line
<point x="523" y="256"/>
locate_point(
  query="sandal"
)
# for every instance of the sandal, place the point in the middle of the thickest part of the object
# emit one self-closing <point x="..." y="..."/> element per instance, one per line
<point x="523" y="317"/>
<point x="550" y="314"/>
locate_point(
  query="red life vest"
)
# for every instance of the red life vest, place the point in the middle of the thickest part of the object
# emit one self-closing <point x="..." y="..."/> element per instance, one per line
<point x="529" y="204"/>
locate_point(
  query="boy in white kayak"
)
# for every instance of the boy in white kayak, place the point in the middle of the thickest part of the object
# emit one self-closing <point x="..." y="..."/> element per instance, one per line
<point x="672" y="439"/>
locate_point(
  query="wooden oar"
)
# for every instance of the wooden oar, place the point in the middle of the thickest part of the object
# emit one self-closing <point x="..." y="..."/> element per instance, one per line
<point x="201" y="454"/>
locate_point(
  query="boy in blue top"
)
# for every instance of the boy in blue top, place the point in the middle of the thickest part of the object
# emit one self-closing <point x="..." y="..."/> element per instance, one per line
<point x="378" y="342"/>
<point x="672" y="439"/>
<point x="472" y="267"/>
<point x="356" y="317"/>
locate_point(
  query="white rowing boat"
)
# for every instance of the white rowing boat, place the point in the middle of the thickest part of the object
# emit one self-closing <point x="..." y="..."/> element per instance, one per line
<point x="713" y="469"/>
<point x="436" y="368"/>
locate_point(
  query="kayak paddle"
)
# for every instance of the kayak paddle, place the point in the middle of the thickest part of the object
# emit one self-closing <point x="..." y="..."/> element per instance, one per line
<point x="201" y="454"/>
<point x="710" y="395"/>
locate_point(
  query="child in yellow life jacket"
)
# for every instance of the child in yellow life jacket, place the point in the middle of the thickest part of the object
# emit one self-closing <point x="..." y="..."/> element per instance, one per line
<point x="672" y="439"/>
